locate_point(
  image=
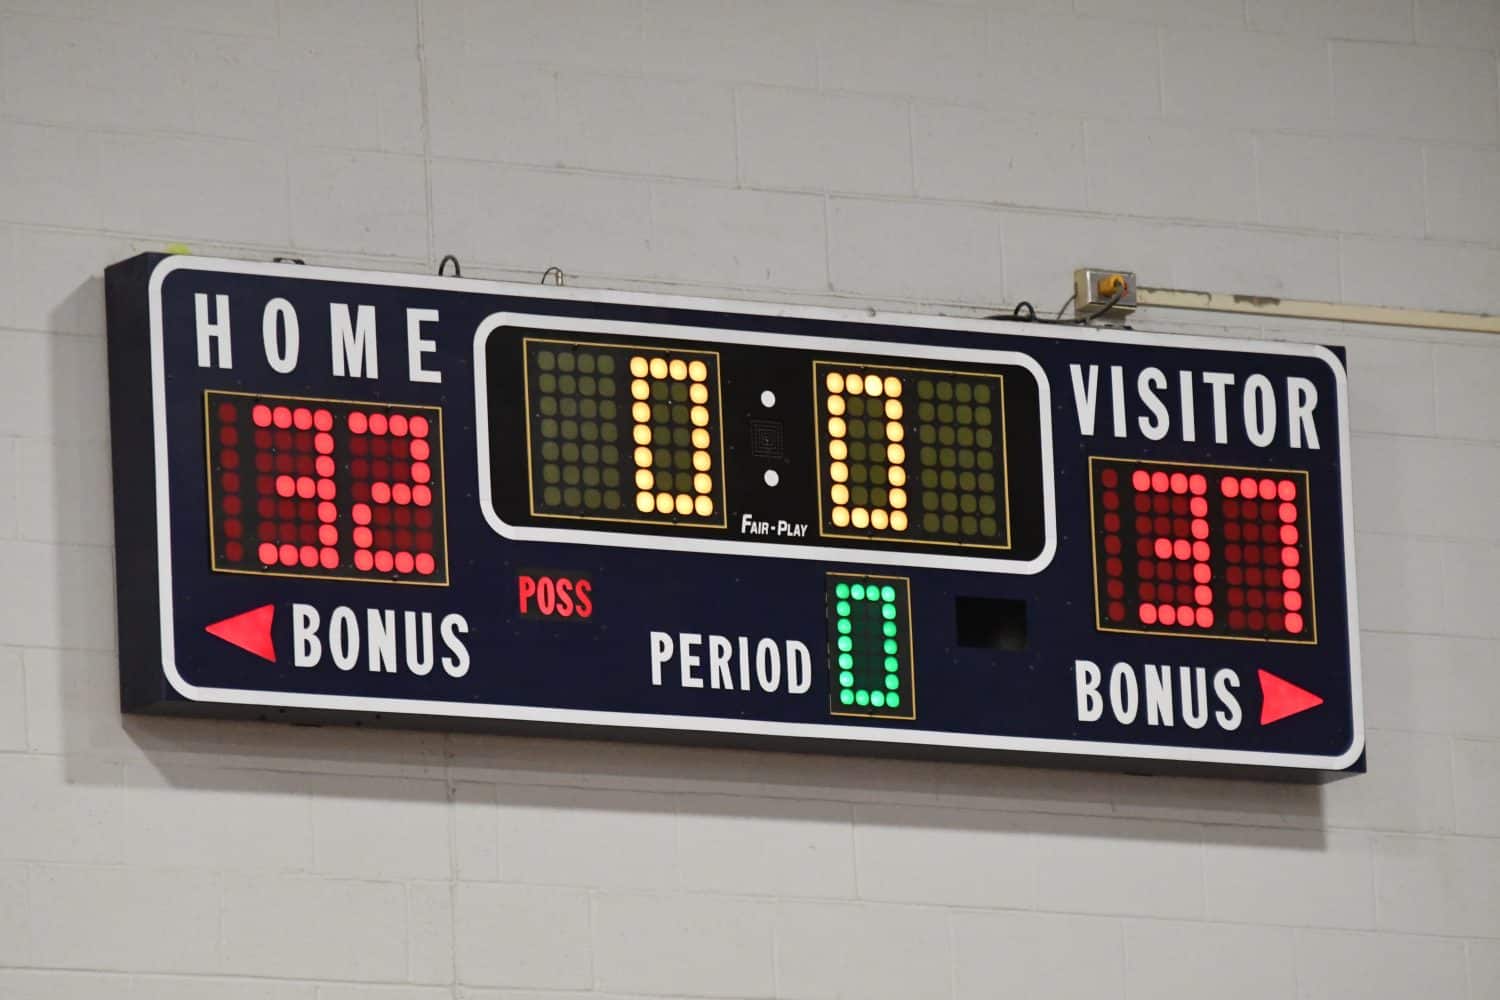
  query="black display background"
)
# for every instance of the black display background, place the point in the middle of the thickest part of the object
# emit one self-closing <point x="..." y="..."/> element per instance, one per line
<point x="746" y="372"/>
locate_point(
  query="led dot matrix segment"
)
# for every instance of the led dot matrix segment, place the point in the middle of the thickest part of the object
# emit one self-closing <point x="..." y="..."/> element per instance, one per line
<point x="623" y="433"/>
<point x="673" y="457"/>
<point x="325" y="488"/>
<point x="1202" y="550"/>
<point x="912" y="454"/>
<point x="866" y="451"/>
<point x="869" y="647"/>
<point x="1267" y="572"/>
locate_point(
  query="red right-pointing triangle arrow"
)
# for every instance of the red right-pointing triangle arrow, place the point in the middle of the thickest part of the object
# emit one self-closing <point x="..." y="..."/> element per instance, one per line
<point x="249" y="630"/>
<point x="1280" y="698"/>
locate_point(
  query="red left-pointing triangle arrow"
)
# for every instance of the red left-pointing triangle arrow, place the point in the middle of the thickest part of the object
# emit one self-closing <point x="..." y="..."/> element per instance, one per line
<point x="1281" y="698"/>
<point x="249" y="630"/>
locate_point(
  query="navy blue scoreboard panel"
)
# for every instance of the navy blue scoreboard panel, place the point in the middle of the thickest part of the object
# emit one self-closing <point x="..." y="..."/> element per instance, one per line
<point x="352" y="496"/>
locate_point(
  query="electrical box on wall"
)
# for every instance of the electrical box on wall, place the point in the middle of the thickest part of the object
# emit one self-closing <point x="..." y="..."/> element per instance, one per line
<point x="352" y="496"/>
<point x="1103" y="295"/>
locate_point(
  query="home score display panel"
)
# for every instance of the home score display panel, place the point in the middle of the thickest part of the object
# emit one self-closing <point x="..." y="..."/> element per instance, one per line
<point x="349" y="496"/>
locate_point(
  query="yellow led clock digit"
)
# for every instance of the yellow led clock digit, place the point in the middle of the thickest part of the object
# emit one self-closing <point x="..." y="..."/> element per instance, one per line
<point x="671" y="433"/>
<point x="865" y="451"/>
<point x="912" y="454"/>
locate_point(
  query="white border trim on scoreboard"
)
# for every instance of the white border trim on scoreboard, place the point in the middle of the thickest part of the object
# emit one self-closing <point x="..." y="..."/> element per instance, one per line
<point x="818" y="731"/>
<point x="998" y="563"/>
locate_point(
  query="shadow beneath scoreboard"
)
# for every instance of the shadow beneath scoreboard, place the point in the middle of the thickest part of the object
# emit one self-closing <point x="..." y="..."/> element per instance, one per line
<point x="894" y="792"/>
<point x="884" y="798"/>
<point x="611" y="781"/>
<point x="65" y="526"/>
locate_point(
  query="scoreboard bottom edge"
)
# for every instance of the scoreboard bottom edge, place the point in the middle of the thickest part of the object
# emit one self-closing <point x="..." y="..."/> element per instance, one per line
<point x="852" y="747"/>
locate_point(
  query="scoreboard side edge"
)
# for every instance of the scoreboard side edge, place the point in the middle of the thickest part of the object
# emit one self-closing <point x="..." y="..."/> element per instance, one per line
<point x="128" y="343"/>
<point x="1360" y="765"/>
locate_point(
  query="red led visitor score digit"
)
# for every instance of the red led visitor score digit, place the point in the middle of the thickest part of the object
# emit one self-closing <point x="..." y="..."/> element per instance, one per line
<point x="1173" y="549"/>
<point x="325" y="488"/>
<point x="1264" y="512"/>
<point x="1201" y="550"/>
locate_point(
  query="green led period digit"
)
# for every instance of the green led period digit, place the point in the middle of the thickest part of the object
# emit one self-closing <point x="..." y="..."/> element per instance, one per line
<point x="869" y="656"/>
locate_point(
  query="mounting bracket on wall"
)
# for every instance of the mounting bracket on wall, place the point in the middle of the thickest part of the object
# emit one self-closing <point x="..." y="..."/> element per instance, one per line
<point x="1103" y="295"/>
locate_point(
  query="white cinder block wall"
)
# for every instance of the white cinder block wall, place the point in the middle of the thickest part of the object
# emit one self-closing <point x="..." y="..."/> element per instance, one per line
<point x="952" y="156"/>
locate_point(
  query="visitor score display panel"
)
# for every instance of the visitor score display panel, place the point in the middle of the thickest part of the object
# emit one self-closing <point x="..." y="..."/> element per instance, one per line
<point x="351" y="496"/>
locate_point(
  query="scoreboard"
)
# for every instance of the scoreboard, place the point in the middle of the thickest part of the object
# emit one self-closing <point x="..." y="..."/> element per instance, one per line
<point x="347" y="496"/>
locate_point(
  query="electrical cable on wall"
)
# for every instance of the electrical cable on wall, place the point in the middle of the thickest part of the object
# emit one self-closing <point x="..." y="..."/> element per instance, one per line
<point x="1103" y="310"/>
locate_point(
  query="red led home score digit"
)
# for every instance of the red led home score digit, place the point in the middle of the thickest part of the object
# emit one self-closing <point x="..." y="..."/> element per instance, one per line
<point x="391" y="486"/>
<point x="1201" y="550"/>
<point x="325" y="488"/>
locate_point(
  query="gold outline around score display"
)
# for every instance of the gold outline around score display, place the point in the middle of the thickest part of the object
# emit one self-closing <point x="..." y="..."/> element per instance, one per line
<point x="716" y="418"/>
<point x="1312" y="596"/>
<point x="911" y="658"/>
<point x="310" y="574"/>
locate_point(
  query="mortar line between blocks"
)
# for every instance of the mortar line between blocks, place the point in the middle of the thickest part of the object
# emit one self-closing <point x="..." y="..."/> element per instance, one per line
<point x="420" y="8"/>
